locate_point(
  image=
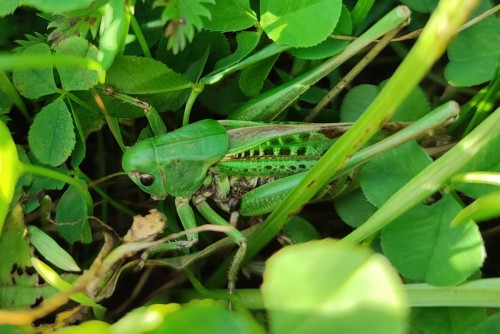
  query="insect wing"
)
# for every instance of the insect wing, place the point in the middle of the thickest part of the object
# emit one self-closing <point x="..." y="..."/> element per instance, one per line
<point x="246" y="137"/>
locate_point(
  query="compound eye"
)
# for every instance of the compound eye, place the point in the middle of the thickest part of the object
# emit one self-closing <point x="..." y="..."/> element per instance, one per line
<point x="146" y="179"/>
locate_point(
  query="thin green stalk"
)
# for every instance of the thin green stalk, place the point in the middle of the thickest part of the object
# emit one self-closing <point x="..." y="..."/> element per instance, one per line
<point x="7" y="87"/>
<point x="140" y="36"/>
<point x="206" y="293"/>
<point x="430" y="179"/>
<point x="78" y="101"/>
<point x="269" y="105"/>
<point x="196" y="90"/>
<point x="105" y="196"/>
<point x="487" y="101"/>
<point x="351" y="75"/>
<point x="360" y="11"/>
<point x="478" y="293"/>
<point x="10" y="62"/>
<point x="250" y="299"/>
<point x="111" y="121"/>
<point x="442" y="26"/>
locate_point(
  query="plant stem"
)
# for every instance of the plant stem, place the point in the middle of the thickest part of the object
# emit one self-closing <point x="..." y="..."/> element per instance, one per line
<point x="22" y="61"/>
<point x="7" y="87"/>
<point x="442" y="26"/>
<point x="140" y="36"/>
<point x="430" y="179"/>
<point x="478" y="293"/>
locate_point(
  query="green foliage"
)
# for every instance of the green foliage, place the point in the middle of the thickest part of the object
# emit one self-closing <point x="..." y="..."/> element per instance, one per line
<point x="75" y="23"/>
<point x="447" y="320"/>
<point x="330" y="46"/>
<point x="52" y="136"/>
<point x="295" y="307"/>
<point x="214" y="317"/>
<point x="282" y="21"/>
<point x="51" y="250"/>
<point x="34" y="83"/>
<point x="71" y="217"/>
<point x="230" y="15"/>
<point x="183" y="18"/>
<point x="474" y="54"/>
<point x="359" y="98"/>
<point x="13" y="246"/>
<point x="87" y="79"/>
<point x="77" y="79"/>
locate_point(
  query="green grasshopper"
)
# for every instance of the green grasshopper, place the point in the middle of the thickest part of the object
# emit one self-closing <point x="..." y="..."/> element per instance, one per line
<point x="246" y="168"/>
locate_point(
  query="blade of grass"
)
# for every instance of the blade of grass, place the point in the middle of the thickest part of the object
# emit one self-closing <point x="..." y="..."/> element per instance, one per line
<point x="442" y="26"/>
<point x="430" y="179"/>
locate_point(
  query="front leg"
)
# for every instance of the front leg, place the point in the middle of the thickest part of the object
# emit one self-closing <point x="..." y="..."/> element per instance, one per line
<point x="214" y="218"/>
<point x="187" y="218"/>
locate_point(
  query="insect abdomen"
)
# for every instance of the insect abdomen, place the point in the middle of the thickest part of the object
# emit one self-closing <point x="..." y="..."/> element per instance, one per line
<point x="280" y="156"/>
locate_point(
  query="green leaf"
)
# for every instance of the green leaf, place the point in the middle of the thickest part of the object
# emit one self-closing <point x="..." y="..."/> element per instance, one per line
<point x="10" y="171"/>
<point x="8" y="7"/>
<point x="332" y="287"/>
<point x="247" y="41"/>
<point x="490" y="325"/>
<point x="91" y="120"/>
<point x="420" y="6"/>
<point x="80" y="150"/>
<point x="183" y="17"/>
<point x="52" y="278"/>
<point x="75" y="23"/>
<point x="49" y="249"/>
<point x="299" y="23"/>
<point x="252" y="77"/>
<point x="356" y="101"/>
<point x="215" y="43"/>
<point x="37" y="82"/>
<point x="51" y="136"/>
<point x="71" y="217"/>
<point x="484" y="208"/>
<point x="136" y="75"/>
<point x="23" y="291"/>
<point x="360" y="12"/>
<point x="152" y="80"/>
<point x="423" y="246"/>
<point x="144" y="319"/>
<point x="230" y="15"/>
<point x="215" y="319"/>
<point x="446" y="320"/>
<point x="360" y="97"/>
<point x="353" y="208"/>
<point x="5" y="104"/>
<point x="23" y="182"/>
<point x="14" y="247"/>
<point x="77" y="78"/>
<point x="474" y="54"/>
<point x="113" y="31"/>
<point x="330" y="46"/>
<point x="485" y="160"/>
<point x="89" y="326"/>
<point x="299" y="230"/>
<point x="56" y="6"/>
<point x="231" y="95"/>
<point x="10" y="329"/>
<point x="392" y="170"/>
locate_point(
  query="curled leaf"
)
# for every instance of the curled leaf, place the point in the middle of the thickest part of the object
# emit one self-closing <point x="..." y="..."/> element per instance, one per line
<point x="10" y="170"/>
<point x="484" y="208"/>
